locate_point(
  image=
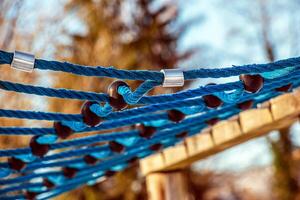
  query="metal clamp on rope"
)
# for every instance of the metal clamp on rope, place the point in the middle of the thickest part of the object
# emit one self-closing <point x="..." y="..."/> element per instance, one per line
<point x="173" y="78"/>
<point x="23" y="61"/>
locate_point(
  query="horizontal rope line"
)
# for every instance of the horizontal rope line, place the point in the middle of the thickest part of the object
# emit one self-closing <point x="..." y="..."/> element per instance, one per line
<point x="6" y="58"/>
<point x="152" y="141"/>
<point x="113" y="136"/>
<point x="148" y="142"/>
<point x="76" y="148"/>
<point x="146" y="109"/>
<point x="121" y="122"/>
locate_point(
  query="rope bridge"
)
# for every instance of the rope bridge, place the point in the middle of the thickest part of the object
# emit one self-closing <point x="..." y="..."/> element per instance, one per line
<point x="53" y="163"/>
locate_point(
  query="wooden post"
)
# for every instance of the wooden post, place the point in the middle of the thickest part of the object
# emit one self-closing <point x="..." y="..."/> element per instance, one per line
<point x="167" y="186"/>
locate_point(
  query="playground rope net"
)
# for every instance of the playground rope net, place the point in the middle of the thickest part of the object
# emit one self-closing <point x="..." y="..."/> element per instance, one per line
<point x="53" y="164"/>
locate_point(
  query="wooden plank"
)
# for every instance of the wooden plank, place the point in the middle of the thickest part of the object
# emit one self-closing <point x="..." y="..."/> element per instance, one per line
<point x="283" y="106"/>
<point x="199" y="143"/>
<point x="254" y="119"/>
<point x="275" y="114"/>
<point x="155" y="186"/>
<point x="154" y="162"/>
<point x="167" y="186"/>
<point x="175" y="154"/>
<point x="225" y="131"/>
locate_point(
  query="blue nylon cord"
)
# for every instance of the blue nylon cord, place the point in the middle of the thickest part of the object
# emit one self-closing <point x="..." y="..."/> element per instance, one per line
<point x="19" y="197"/>
<point x="12" y="152"/>
<point x="190" y="102"/>
<point x="103" y="137"/>
<point x="195" y="120"/>
<point x="19" y="187"/>
<point x="116" y="159"/>
<point x="128" y="95"/>
<point x="6" y="58"/>
<point x="133" y="112"/>
<point x="151" y="108"/>
<point x="68" y="184"/>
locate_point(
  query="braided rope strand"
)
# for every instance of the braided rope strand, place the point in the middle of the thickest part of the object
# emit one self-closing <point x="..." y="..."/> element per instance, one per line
<point x="120" y="126"/>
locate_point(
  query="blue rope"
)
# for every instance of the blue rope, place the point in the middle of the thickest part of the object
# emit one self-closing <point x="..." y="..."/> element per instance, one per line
<point x="126" y="116"/>
<point x="130" y="97"/>
<point x="190" y="121"/>
<point x="43" y="166"/>
<point x="50" y="92"/>
<point x="154" y="140"/>
<point x="6" y="58"/>
<point x="152" y="112"/>
<point x="134" y="97"/>
<point x="38" y="115"/>
<point x="183" y="102"/>
<point x="150" y="143"/>
<point x="113" y="136"/>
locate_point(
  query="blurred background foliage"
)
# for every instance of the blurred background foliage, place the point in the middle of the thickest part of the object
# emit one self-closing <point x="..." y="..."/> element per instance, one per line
<point x="155" y="34"/>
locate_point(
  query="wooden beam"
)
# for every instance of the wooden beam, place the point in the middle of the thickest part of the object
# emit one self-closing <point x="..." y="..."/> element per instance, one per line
<point x="167" y="186"/>
<point x="225" y="131"/>
<point x="277" y="113"/>
<point x="152" y="163"/>
<point x="199" y="143"/>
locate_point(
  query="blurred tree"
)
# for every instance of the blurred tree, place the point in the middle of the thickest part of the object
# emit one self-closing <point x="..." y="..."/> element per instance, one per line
<point x="285" y="186"/>
<point x="8" y="22"/>
<point x="9" y="18"/>
<point x="131" y="34"/>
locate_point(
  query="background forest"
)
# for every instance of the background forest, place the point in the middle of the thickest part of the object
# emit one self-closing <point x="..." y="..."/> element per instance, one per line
<point x="155" y="34"/>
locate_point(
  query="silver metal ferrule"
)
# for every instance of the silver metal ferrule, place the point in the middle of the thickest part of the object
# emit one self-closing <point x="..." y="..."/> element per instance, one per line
<point x="173" y="78"/>
<point x="23" y="61"/>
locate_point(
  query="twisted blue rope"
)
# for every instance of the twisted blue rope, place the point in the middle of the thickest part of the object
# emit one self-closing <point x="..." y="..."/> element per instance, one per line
<point x="50" y="92"/>
<point x="6" y="58"/>
<point x="134" y="97"/>
<point x="113" y="136"/>
<point x="138" y="145"/>
<point x="152" y="142"/>
<point x="126" y="116"/>
<point x="190" y="102"/>
<point x="170" y="104"/>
